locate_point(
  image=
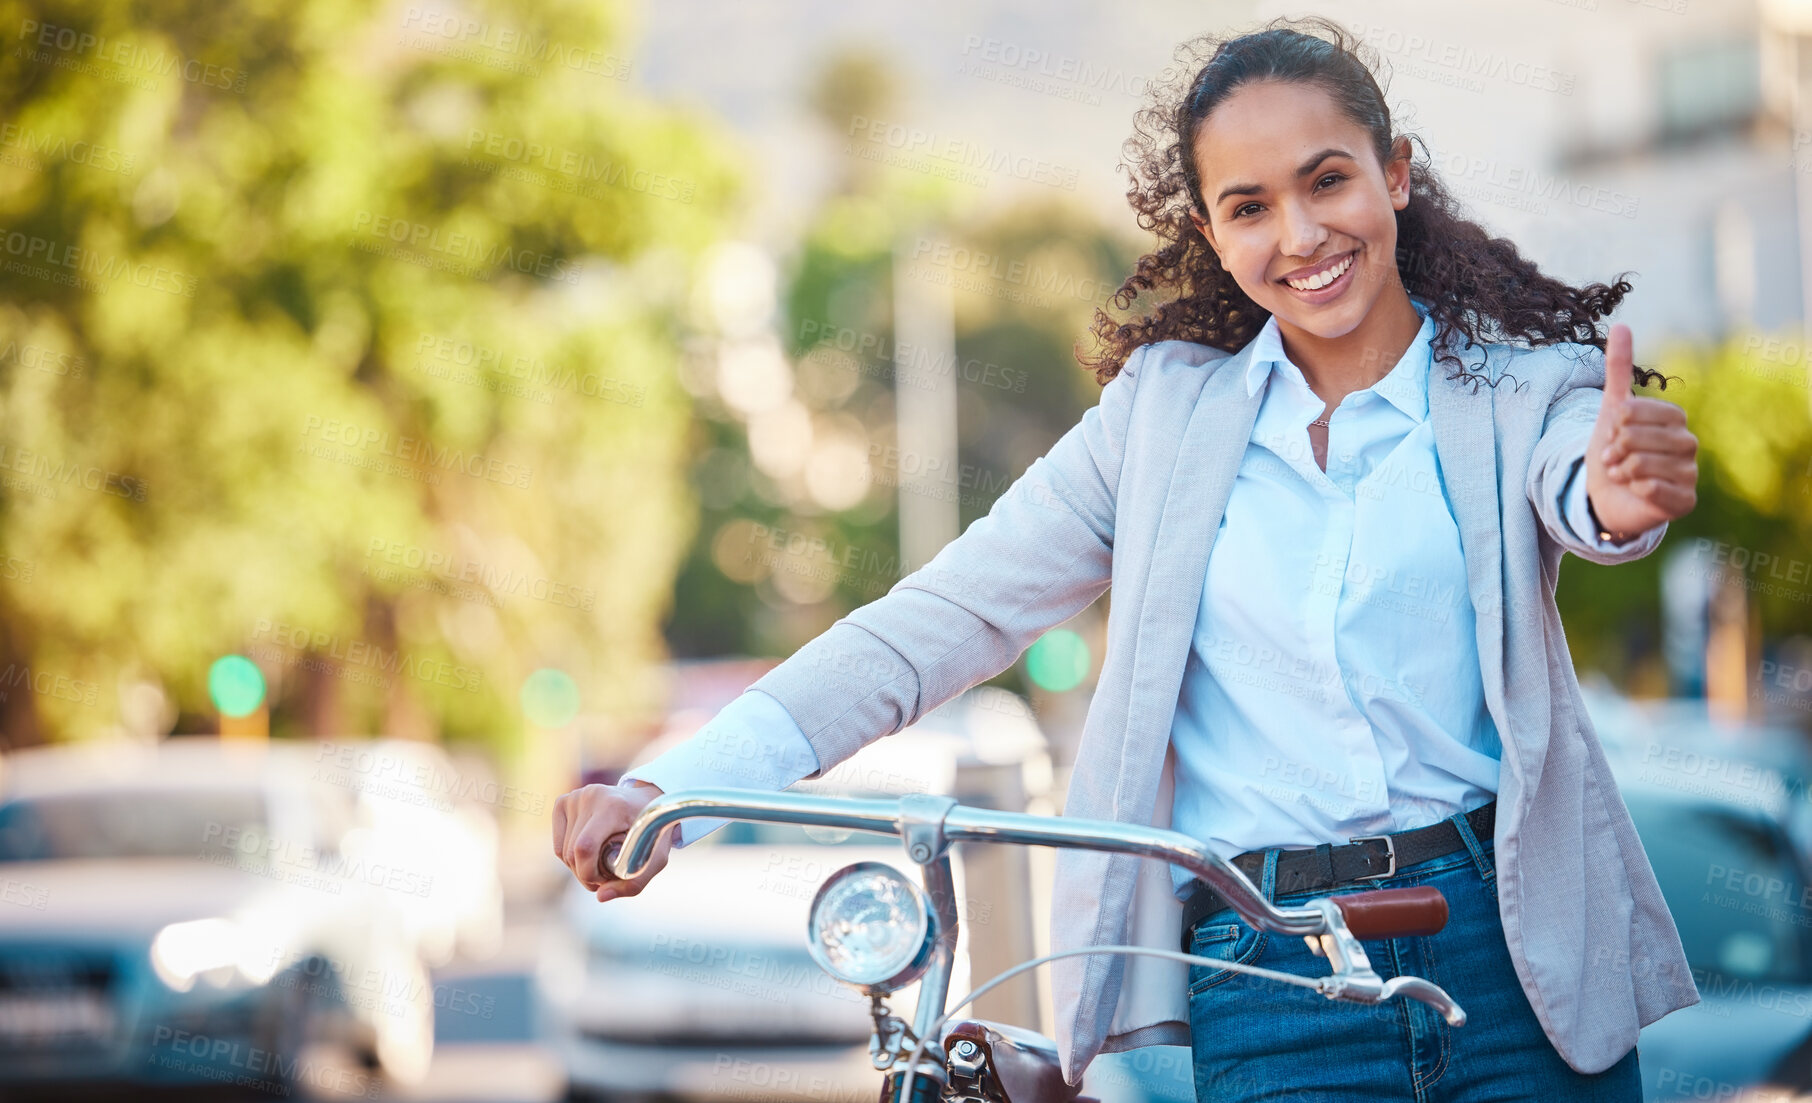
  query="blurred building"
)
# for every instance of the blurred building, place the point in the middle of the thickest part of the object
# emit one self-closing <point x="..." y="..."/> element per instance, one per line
<point x="1650" y="136"/>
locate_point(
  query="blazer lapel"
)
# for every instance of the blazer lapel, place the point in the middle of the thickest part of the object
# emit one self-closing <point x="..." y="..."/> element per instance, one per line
<point x="1207" y="461"/>
<point x="1466" y="443"/>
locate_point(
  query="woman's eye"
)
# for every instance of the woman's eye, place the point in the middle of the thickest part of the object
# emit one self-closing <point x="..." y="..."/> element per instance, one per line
<point x="1244" y="208"/>
<point x="1332" y="177"/>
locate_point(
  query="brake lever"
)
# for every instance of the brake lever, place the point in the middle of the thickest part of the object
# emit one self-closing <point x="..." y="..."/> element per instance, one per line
<point x="1429" y="993"/>
<point x="1353" y="977"/>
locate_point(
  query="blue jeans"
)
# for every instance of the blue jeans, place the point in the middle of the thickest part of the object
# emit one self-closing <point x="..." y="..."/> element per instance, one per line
<point x="1258" y="1039"/>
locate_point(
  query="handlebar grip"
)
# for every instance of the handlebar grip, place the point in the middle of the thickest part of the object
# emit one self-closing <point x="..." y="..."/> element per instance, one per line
<point x="1394" y="913"/>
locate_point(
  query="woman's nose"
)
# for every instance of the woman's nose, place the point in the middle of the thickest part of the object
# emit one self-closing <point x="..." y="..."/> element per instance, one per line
<point x="1302" y="233"/>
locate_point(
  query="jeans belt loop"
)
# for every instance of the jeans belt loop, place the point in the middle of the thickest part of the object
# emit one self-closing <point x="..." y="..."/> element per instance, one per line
<point x="1462" y="824"/>
<point x="1324" y="861"/>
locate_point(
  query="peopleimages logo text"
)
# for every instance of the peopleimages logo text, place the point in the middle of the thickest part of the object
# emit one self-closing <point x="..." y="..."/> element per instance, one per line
<point x="465" y="252"/>
<point x="359" y="653"/>
<point x="416" y="451"/>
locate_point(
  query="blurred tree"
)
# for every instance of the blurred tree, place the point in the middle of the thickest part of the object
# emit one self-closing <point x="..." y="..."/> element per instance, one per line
<point x="854" y="83"/>
<point x="787" y="548"/>
<point x="345" y="337"/>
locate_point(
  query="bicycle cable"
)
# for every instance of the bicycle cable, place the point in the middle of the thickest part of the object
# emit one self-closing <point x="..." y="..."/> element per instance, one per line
<point x="937" y="1025"/>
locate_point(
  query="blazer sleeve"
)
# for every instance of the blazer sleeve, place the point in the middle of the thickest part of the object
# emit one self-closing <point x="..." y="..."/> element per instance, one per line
<point x="1043" y="553"/>
<point x="751" y="744"/>
<point x="1559" y="458"/>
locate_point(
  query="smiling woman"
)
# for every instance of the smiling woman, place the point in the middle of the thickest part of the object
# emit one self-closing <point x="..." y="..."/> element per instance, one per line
<point x="1237" y="168"/>
<point x="1297" y="231"/>
<point x="1334" y="650"/>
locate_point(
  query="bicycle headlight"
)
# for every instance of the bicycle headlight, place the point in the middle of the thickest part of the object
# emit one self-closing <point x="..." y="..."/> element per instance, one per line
<point x="871" y="927"/>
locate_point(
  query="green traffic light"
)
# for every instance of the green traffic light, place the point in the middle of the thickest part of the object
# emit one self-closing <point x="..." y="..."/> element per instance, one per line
<point x="1058" y="661"/>
<point x="550" y="698"/>
<point x="235" y="685"/>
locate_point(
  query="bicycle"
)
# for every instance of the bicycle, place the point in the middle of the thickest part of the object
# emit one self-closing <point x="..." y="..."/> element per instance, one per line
<point x="875" y="930"/>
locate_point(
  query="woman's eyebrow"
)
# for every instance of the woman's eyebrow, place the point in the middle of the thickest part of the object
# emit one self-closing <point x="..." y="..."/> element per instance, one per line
<point x="1308" y="166"/>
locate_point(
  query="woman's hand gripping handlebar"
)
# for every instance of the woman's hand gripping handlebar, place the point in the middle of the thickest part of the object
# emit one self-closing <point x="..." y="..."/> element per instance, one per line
<point x="589" y="825"/>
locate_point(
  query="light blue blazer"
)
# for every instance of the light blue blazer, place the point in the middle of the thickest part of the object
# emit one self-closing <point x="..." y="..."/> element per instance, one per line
<point x="1131" y="497"/>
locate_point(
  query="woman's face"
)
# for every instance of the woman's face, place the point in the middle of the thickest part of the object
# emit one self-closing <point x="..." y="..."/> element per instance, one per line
<point x="1298" y="208"/>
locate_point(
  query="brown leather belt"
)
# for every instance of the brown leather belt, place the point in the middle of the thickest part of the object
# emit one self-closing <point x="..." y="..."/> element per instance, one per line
<point x="1365" y="858"/>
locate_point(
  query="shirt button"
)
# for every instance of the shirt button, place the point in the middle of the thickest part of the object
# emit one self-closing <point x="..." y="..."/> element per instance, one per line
<point x="1346" y="457"/>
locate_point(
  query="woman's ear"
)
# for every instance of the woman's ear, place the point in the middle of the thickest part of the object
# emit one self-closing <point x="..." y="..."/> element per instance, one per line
<point x="1201" y="227"/>
<point x="1396" y="173"/>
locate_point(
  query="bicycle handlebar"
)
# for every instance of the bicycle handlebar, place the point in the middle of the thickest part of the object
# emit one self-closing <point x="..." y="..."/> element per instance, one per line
<point x="929" y="823"/>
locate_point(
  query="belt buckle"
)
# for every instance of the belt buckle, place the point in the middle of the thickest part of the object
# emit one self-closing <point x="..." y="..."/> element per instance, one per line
<point x="1390" y="852"/>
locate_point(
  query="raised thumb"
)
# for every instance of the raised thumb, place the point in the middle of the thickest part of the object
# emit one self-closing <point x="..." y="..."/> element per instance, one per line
<point x="1619" y="368"/>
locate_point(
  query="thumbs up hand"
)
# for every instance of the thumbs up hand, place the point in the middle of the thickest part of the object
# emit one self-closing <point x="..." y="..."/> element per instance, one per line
<point x="1640" y="467"/>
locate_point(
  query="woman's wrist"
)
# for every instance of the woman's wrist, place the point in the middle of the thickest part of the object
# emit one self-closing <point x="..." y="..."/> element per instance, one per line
<point x="1605" y="535"/>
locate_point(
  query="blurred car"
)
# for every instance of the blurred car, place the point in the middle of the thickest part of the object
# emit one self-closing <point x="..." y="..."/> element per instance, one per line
<point x="416" y="810"/>
<point x="1720" y="811"/>
<point x="1739" y="895"/>
<point x="181" y="914"/>
<point x="702" y="986"/>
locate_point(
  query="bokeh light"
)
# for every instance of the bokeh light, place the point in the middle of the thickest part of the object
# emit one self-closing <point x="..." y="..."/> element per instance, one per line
<point x="235" y="685"/>
<point x="550" y="698"/>
<point x="1058" y="661"/>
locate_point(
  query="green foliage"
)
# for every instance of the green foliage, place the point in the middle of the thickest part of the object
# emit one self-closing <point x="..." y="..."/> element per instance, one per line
<point x="344" y="336"/>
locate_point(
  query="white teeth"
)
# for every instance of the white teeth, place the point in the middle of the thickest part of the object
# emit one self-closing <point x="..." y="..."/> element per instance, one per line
<point x="1322" y="279"/>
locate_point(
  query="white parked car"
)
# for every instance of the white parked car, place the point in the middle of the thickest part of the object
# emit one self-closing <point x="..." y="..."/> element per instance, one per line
<point x="702" y="987"/>
<point x="419" y="813"/>
<point x="183" y="914"/>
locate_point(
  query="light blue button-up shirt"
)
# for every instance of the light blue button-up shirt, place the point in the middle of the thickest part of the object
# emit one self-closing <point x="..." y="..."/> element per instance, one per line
<point x="1332" y="687"/>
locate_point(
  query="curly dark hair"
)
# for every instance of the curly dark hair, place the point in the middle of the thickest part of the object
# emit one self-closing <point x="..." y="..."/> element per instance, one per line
<point x="1478" y="286"/>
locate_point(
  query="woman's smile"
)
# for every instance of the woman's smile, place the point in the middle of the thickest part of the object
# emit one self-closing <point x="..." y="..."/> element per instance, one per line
<point x="1320" y="283"/>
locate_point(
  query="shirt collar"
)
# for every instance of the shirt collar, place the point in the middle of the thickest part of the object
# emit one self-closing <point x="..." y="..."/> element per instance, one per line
<point x="1405" y="386"/>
